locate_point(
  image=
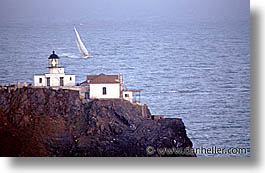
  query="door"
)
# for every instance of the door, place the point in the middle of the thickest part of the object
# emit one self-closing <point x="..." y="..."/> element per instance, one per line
<point x="48" y="81"/>
<point x="61" y="81"/>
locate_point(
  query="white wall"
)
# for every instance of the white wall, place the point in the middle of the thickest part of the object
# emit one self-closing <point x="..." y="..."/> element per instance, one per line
<point x="68" y="82"/>
<point x="56" y="70"/>
<point x="130" y="93"/>
<point x="113" y="90"/>
<point x="36" y="80"/>
<point x="54" y="79"/>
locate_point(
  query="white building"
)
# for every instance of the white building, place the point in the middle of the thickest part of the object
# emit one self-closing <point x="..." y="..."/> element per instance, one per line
<point x="132" y="96"/>
<point x="107" y="87"/>
<point x="102" y="86"/>
<point x="56" y="76"/>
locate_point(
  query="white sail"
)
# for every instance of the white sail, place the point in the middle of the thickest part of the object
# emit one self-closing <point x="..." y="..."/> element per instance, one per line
<point x="80" y="45"/>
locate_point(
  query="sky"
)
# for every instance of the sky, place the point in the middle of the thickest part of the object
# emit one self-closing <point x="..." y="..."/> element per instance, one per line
<point x="61" y="10"/>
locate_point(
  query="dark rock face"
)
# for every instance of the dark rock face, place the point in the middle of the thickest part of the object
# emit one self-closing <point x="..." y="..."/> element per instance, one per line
<point x="45" y="122"/>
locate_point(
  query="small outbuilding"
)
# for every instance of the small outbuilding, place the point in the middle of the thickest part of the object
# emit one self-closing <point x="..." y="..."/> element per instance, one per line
<point x="134" y="96"/>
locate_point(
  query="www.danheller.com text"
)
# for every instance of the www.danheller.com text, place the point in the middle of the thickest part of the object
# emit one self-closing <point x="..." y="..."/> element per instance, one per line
<point x="214" y="150"/>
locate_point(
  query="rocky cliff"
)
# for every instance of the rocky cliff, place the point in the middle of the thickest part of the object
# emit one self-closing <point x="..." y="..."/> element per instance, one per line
<point x="46" y="122"/>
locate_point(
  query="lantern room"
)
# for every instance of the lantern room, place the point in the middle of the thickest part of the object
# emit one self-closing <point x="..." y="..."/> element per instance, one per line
<point x="53" y="60"/>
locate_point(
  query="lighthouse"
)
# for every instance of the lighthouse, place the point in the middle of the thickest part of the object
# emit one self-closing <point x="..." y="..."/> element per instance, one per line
<point x="56" y="76"/>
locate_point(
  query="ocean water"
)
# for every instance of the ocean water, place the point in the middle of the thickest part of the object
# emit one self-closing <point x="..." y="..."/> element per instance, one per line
<point x="199" y="72"/>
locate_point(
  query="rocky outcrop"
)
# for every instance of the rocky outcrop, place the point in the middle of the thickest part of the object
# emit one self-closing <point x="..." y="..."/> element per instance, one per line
<point x="46" y="122"/>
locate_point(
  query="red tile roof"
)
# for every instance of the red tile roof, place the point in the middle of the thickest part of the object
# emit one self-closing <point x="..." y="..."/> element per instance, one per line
<point x="91" y="77"/>
<point x="102" y="79"/>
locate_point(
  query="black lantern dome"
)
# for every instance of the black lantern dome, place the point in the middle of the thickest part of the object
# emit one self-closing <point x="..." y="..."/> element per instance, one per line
<point x="54" y="56"/>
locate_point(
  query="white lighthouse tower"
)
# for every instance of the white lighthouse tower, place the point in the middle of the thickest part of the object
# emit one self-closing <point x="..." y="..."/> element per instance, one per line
<point x="56" y="75"/>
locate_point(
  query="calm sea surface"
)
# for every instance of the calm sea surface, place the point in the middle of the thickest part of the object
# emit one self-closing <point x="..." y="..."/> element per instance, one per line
<point x="199" y="72"/>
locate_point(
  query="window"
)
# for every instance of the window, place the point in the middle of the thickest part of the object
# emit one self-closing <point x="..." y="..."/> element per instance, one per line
<point x="54" y="63"/>
<point x="61" y="81"/>
<point x="104" y="89"/>
<point x="40" y="80"/>
<point x="70" y="78"/>
<point x="48" y="81"/>
<point x="126" y="95"/>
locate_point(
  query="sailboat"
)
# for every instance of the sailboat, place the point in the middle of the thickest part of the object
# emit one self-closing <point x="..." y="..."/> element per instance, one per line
<point x="80" y="45"/>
